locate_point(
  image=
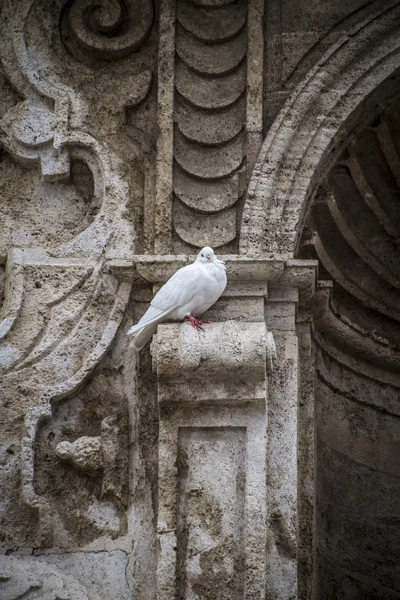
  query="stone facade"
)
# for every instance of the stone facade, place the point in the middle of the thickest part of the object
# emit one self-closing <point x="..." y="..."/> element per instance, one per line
<point x="257" y="460"/>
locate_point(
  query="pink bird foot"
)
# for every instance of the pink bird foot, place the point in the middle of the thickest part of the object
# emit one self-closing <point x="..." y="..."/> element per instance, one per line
<point x="196" y="323"/>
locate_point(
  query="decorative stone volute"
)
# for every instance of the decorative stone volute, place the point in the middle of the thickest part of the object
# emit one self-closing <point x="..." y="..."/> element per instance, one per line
<point x="227" y="351"/>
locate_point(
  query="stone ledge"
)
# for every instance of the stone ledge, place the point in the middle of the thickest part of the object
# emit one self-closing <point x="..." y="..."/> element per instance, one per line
<point x="242" y="270"/>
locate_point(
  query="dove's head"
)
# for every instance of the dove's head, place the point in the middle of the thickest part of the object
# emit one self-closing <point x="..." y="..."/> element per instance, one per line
<point x="206" y="255"/>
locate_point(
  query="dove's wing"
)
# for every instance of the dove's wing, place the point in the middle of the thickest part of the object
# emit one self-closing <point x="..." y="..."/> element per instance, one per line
<point x="178" y="291"/>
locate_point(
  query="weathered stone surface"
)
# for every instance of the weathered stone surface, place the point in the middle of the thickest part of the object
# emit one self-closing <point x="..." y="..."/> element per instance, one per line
<point x="21" y="579"/>
<point x="130" y="135"/>
<point x="84" y="453"/>
<point x="315" y="111"/>
<point x="211" y="76"/>
<point x="72" y="576"/>
<point x="218" y="555"/>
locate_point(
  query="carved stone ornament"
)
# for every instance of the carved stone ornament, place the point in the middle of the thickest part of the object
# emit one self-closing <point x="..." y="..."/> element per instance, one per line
<point x="132" y="133"/>
<point x="232" y="352"/>
<point x="79" y="206"/>
<point x="103" y="455"/>
<point x="204" y="516"/>
<point x="107" y="29"/>
<point x="210" y="120"/>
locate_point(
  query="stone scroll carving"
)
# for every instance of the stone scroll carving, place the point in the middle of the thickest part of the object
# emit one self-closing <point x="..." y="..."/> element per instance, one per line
<point x="55" y="124"/>
<point x="232" y="352"/>
<point x="108" y="29"/>
<point x="212" y="396"/>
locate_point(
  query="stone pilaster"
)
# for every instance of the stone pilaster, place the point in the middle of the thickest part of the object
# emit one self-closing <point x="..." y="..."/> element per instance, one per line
<point x="282" y="447"/>
<point x="213" y="429"/>
<point x="229" y="437"/>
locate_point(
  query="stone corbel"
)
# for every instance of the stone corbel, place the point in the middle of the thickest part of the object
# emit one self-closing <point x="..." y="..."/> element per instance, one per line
<point x="212" y="394"/>
<point x="228" y="360"/>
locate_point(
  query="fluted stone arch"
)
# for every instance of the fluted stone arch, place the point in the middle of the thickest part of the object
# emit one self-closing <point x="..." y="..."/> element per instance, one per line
<point x="327" y="185"/>
<point x="315" y="117"/>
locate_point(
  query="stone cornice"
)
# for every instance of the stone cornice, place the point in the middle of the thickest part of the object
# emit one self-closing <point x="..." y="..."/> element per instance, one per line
<point x="248" y="272"/>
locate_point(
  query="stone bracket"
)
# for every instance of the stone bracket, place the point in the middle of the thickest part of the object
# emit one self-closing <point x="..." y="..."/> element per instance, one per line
<point x="227" y="361"/>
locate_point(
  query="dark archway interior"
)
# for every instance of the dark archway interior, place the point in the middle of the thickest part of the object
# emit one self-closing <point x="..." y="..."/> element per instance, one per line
<point x="354" y="230"/>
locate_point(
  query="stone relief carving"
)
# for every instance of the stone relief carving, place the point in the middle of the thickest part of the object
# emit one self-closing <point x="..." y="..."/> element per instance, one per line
<point x="214" y="402"/>
<point x="107" y="30"/>
<point x="230" y="350"/>
<point x="81" y="160"/>
<point x="56" y="120"/>
<point x="210" y="98"/>
<point x="105" y="454"/>
<point x="285" y="176"/>
<point x="45" y="354"/>
<point x="210" y="111"/>
<point x="353" y="229"/>
<point x="212" y="393"/>
<point x="62" y="307"/>
<point x="358" y="309"/>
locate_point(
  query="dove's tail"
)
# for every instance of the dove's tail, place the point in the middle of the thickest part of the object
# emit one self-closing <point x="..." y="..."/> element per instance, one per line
<point x="143" y="336"/>
<point x="147" y="326"/>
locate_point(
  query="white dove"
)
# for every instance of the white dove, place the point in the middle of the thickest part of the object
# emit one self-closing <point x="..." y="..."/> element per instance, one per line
<point x="187" y="294"/>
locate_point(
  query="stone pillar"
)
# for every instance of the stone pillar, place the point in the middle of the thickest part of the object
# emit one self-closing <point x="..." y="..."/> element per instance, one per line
<point x="213" y="429"/>
<point x="306" y="517"/>
<point x="231" y="437"/>
<point x="282" y="447"/>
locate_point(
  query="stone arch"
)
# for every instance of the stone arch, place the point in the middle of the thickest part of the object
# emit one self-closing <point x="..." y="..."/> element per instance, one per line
<point x="309" y="159"/>
<point x="352" y="227"/>
<point x="300" y="141"/>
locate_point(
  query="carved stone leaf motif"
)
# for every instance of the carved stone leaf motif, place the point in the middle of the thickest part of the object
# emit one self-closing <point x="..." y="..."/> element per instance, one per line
<point x="35" y="580"/>
<point x="51" y="312"/>
<point x="21" y="351"/>
<point x="56" y="329"/>
<point x="37" y="131"/>
<point x="210" y="112"/>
